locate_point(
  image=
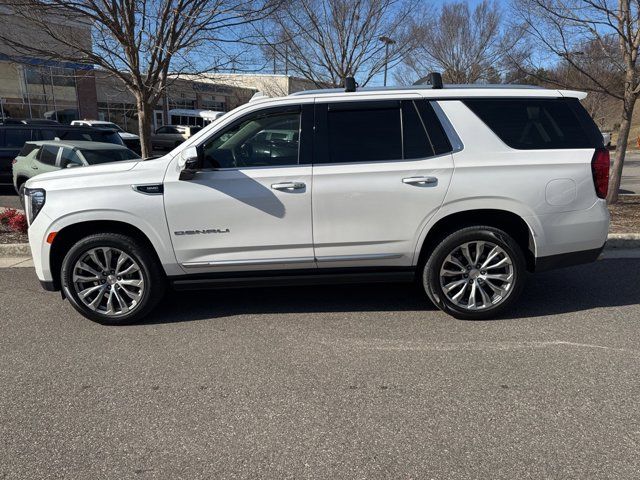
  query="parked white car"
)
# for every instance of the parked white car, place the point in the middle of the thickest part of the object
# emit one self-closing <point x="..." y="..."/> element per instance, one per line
<point x="462" y="189"/>
<point x="130" y="140"/>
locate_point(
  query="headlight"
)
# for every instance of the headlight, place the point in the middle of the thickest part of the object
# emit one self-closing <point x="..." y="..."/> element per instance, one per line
<point x="34" y="201"/>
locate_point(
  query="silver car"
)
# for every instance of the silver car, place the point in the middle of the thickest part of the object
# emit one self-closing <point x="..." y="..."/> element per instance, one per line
<point x="170" y="136"/>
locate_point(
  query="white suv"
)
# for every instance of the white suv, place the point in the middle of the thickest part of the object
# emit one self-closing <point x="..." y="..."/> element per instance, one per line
<point x="464" y="189"/>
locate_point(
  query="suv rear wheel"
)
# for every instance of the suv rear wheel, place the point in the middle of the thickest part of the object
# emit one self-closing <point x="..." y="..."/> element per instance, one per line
<point x="111" y="279"/>
<point x="475" y="273"/>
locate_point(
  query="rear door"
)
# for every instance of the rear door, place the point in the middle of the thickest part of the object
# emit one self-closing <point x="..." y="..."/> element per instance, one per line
<point x="381" y="171"/>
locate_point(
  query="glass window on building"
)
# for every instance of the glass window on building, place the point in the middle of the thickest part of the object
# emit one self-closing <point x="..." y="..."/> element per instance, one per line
<point x="125" y="115"/>
<point x="49" y="92"/>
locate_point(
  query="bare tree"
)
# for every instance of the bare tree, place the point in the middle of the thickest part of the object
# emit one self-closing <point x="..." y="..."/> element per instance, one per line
<point x="325" y="41"/>
<point x="596" y="44"/>
<point x="467" y="46"/>
<point x="141" y="42"/>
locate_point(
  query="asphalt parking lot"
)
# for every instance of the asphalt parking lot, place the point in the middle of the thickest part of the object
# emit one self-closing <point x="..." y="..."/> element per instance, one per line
<point x="326" y="382"/>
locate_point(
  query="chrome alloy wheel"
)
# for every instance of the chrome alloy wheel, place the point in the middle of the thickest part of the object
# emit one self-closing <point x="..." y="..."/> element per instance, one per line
<point x="108" y="281"/>
<point x="477" y="275"/>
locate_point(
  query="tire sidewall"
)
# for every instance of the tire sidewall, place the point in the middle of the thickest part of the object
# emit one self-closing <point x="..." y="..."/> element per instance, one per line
<point x="128" y="246"/>
<point x="431" y="272"/>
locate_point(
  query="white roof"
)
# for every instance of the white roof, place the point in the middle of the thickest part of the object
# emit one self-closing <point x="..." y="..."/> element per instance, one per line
<point x="449" y="91"/>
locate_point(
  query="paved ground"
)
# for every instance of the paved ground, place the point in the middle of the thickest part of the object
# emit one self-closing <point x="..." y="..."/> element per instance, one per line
<point x="631" y="173"/>
<point x="349" y="382"/>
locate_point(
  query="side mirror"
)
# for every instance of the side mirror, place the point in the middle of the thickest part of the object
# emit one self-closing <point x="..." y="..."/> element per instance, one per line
<point x="190" y="162"/>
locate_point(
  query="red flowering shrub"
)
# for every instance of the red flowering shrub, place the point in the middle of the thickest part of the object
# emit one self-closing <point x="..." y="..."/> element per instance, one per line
<point x="13" y="220"/>
<point x="7" y="215"/>
<point x="18" y="223"/>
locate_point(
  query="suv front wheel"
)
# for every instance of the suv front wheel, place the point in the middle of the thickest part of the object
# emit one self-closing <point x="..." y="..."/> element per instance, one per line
<point x="111" y="279"/>
<point x="475" y="273"/>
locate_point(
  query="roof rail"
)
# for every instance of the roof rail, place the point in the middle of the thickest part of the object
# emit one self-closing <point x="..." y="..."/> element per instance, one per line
<point x="258" y="96"/>
<point x="434" y="79"/>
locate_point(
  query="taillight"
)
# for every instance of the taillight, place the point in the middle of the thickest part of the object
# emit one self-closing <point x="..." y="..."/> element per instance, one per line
<point x="600" y="165"/>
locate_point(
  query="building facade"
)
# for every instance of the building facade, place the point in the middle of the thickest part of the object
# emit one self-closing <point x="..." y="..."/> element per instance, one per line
<point x="116" y="104"/>
<point x="45" y="88"/>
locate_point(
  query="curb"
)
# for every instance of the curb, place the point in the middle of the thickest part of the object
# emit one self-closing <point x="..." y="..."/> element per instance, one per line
<point x="15" y="250"/>
<point x="614" y="241"/>
<point x="623" y="240"/>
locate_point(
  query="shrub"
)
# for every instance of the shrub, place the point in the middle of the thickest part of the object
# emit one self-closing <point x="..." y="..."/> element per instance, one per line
<point x="13" y="220"/>
<point x="7" y="215"/>
<point x="18" y="223"/>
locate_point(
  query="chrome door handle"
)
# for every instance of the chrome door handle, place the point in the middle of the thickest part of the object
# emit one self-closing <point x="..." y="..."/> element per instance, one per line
<point x="288" y="186"/>
<point x="420" y="180"/>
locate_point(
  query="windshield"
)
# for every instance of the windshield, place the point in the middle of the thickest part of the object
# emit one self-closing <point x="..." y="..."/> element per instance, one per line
<point x="94" y="157"/>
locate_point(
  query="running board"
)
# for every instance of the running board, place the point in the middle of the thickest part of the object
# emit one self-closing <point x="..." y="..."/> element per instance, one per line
<point x="266" y="280"/>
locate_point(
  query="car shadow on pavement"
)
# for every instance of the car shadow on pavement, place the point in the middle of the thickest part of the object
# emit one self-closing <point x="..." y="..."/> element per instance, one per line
<point x="606" y="283"/>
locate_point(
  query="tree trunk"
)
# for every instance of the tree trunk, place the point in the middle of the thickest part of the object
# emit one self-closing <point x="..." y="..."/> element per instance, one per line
<point x="145" y="118"/>
<point x="621" y="147"/>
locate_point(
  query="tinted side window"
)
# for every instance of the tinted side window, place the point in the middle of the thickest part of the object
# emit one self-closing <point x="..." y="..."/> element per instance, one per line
<point x="27" y="149"/>
<point x="48" y="154"/>
<point x="261" y="140"/>
<point x="416" y="142"/>
<point x="16" y="137"/>
<point x="436" y="132"/>
<point x="533" y="124"/>
<point x="363" y="132"/>
<point x="69" y="156"/>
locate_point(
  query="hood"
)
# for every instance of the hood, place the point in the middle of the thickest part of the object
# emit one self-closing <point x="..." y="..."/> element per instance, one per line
<point x="128" y="135"/>
<point x="78" y="173"/>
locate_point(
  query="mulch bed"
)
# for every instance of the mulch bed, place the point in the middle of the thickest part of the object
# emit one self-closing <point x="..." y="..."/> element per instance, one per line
<point x="625" y="215"/>
<point x="13" y="237"/>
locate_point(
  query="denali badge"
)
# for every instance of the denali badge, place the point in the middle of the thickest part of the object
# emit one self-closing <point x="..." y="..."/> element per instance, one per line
<point x="198" y="232"/>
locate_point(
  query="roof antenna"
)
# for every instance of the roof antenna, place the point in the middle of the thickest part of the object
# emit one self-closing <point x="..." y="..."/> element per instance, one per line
<point x="434" y="79"/>
<point x="350" y="84"/>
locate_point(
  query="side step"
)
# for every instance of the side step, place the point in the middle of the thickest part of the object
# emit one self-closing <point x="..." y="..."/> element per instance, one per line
<point x="288" y="278"/>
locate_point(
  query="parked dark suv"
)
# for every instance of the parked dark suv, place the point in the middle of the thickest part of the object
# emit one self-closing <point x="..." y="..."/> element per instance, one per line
<point x="13" y="138"/>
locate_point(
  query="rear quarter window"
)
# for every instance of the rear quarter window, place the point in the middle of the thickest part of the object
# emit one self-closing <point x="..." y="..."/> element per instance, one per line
<point x="538" y="124"/>
<point x="27" y="149"/>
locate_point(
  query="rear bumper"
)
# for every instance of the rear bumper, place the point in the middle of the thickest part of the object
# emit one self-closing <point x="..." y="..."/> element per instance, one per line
<point x="562" y="260"/>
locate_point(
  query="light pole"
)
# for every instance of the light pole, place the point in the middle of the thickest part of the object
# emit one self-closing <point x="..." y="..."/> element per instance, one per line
<point x="387" y="41"/>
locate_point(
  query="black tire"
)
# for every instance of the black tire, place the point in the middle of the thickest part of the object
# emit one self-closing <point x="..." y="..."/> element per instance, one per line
<point x="431" y="279"/>
<point x="149" y="270"/>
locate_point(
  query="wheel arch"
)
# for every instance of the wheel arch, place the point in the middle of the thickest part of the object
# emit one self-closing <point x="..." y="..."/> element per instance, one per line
<point x="70" y="234"/>
<point x="510" y="222"/>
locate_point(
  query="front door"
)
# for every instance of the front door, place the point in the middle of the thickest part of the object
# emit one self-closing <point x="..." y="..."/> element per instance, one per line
<point x="249" y="206"/>
<point x="381" y="171"/>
